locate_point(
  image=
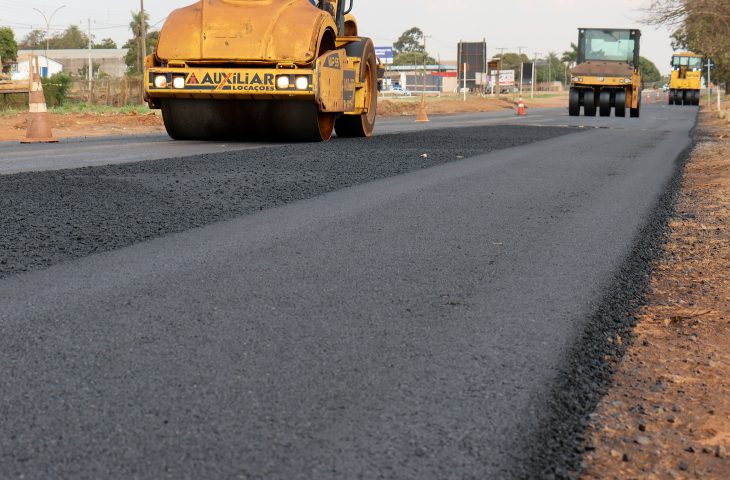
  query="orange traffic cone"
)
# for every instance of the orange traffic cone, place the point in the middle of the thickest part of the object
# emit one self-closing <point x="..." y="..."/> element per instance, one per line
<point x="422" y="117"/>
<point x="648" y="97"/>
<point x="39" y="125"/>
<point x="521" y="107"/>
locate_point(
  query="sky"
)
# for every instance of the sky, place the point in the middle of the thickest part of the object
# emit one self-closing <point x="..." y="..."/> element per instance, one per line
<point x="539" y="26"/>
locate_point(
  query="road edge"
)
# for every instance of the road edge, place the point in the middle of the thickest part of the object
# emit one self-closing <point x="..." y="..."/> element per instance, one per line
<point x="556" y="450"/>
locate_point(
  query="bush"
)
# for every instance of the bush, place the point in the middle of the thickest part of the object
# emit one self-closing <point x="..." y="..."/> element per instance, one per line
<point x="56" y="89"/>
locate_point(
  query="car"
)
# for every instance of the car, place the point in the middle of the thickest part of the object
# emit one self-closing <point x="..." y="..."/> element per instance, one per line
<point x="397" y="89"/>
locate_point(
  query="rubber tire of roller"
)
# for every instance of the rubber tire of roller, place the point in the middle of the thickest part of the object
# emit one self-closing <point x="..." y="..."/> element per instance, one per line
<point x="671" y="97"/>
<point x="359" y="126"/>
<point x="589" y="103"/>
<point x="604" y="101"/>
<point x="574" y="102"/>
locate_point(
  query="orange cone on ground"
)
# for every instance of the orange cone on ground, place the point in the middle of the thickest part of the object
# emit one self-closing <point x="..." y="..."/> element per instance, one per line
<point x="648" y="97"/>
<point x="39" y="124"/>
<point x="422" y="117"/>
<point x="521" y="107"/>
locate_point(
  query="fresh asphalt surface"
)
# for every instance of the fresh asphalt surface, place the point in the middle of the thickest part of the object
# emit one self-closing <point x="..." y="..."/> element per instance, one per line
<point x="410" y="325"/>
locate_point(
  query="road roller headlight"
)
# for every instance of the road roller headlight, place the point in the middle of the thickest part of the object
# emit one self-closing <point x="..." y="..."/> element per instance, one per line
<point x="282" y="82"/>
<point x="577" y="79"/>
<point x="178" y="83"/>
<point x="302" y="83"/>
<point x="627" y="80"/>
<point x="161" y="81"/>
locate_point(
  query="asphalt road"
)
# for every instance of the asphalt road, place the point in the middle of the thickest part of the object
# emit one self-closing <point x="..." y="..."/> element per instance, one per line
<point x="404" y="322"/>
<point x="84" y="152"/>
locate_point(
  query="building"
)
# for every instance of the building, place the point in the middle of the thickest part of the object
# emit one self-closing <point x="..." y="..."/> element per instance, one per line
<point x="21" y="70"/>
<point x="411" y="78"/>
<point x="76" y="62"/>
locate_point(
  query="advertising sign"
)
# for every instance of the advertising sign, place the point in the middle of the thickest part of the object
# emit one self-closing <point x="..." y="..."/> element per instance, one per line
<point x="385" y="54"/>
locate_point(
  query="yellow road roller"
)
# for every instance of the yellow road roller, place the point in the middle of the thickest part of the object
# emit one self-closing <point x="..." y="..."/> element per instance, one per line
<point x="283" y="70"/>
<point x="607" y="75"/>
<point x="686" y="81"/>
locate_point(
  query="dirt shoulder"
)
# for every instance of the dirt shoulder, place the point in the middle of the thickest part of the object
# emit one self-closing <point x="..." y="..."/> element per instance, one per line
<point x="76" y="125"/>
<point x="667" y="414"/>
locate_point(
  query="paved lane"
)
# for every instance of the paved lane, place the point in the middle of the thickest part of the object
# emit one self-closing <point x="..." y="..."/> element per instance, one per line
<point x="410" y="327"/>
<point x="76" y="153"/>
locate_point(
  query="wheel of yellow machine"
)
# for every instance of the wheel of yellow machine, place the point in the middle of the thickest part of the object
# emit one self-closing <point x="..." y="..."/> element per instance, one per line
<point x="362" y="125"/>
<point x="246" y="120"/>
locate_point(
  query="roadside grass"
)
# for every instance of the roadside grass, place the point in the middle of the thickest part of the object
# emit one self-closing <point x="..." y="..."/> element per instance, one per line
<point x="84" y="109"/>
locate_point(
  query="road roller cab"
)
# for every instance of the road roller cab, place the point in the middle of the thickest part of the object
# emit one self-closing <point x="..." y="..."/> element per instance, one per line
<point x="686" y="80"/>
<point x="263" y="69"/>
<point x="607" y="75"/>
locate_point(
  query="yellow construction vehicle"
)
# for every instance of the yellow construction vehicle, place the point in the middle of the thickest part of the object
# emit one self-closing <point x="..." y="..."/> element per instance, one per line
<point x="285" y="70"/>
<point x="686" y="81"/>
<point x="607" y="74"/>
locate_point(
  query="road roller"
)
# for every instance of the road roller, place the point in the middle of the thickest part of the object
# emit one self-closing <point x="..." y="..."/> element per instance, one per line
<point x="686" y="81"/>
<point x="607" y="75"/>
<point x="281" y="70"/>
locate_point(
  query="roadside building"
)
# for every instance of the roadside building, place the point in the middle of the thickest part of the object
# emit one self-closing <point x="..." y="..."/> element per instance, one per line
<point x="21" y="70"/>
<point x="75" y="62"/>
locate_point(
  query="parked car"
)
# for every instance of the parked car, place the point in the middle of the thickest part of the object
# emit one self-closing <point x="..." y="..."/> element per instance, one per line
<point x="397" y="89"/>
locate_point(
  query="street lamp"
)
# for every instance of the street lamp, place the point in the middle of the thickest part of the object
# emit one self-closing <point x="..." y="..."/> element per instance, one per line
<point x="48" y="26"/>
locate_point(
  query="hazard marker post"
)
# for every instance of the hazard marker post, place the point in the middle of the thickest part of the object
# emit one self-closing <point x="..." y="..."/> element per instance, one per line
<point x="39" y="123"/>
<point x="422" y="117"/>
<point x="521" y="110"/>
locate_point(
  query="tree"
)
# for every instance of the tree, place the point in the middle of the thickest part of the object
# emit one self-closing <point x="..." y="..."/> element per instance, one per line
<point x="133" y="59"/>
<point x="701" y="26"/>
<point x="649" y="71"/>
<point x="35" y="40"/>
<point x="8" y="48"/>
<point x="570" y="57"/>
<point x="71" y="38"/>
<point x="513" y="61"/>
<point x="409" y="50"/>
<point x="106" y="43"/>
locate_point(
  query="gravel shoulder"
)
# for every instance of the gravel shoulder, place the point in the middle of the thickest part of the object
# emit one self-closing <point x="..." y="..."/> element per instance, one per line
<point x="667" y="412"/>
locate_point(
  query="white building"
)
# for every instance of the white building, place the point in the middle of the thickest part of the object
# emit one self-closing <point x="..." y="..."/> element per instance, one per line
<point x="48" y="67"/>
<point x="76" y="62"/>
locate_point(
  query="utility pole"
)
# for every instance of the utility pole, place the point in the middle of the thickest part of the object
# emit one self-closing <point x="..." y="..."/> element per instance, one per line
<point x="142" y="37"/>
<point x="534" y="76"/>
<point x="709" y="82"/>
<point x="48" y="29"/>
<point x="423" y="92"/>
<point x="499" y="68"/>
<point x="91" y="66"/>
<point x="522" y="66"/>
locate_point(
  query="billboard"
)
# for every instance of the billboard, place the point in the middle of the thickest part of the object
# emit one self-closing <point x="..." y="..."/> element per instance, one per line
<point x="506" y="78"/>
<point x="474" y="55"/>
<point x="385" y="54"/>
<point x="527" y="69"/>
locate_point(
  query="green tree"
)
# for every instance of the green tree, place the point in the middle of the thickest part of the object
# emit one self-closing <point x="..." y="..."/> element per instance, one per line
<point x="106" y="43"/>
<point x="649" y="71"/>
<point x="409" y="50"/>
<point x="513" y="61"/>
<point x="133" y="59"/>
<point x="701" y="26"/>
<point x="35" y="40"/>
<point x="570" y="57"/>
<point x="8" y="48"/>
<point x="71" y="38"/>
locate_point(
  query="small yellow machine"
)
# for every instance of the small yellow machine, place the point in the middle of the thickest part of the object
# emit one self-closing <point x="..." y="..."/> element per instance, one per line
<point x="686" y="81"/>
<point x="284" y="70"/>
<point x="607" y="75"/>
